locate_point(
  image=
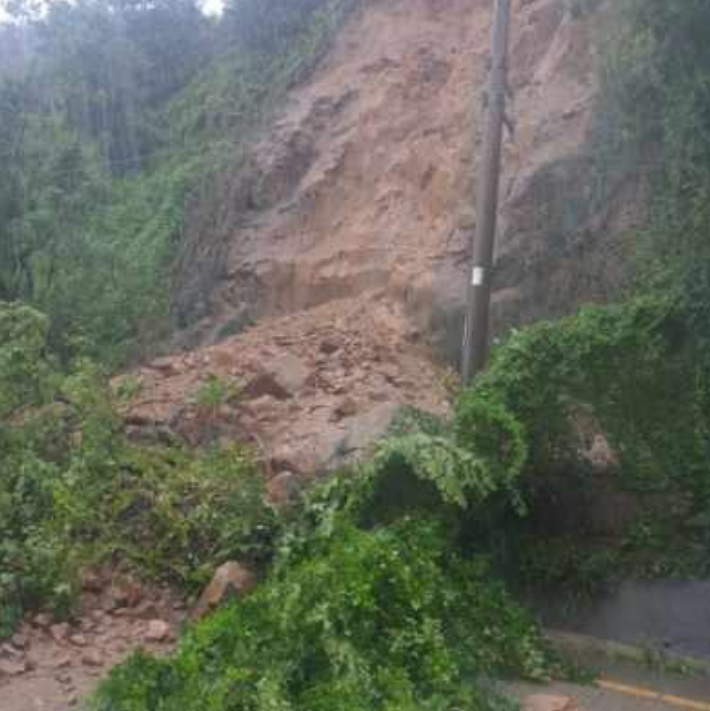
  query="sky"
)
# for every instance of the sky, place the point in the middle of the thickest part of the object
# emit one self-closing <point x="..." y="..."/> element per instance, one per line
<point x="211" y="7"/>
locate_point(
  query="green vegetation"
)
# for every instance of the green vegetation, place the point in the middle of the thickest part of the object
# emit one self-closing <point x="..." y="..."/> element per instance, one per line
<point x="372" y="602"/>
<point x="383" y="619"/>
<point x="382" y="585"/>
<point x="74" y="493"/>
<point x="113" y="117"/>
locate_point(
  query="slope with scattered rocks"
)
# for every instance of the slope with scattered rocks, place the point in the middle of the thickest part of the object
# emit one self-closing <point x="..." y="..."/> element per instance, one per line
<point x="51" y="666"/>
<point x="352" y="222"/>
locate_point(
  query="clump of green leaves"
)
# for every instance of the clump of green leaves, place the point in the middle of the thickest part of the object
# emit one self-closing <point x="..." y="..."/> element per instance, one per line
<point x="634" y="373"/>
<point x="74" y="492"/>
<point x="383" y="619"/>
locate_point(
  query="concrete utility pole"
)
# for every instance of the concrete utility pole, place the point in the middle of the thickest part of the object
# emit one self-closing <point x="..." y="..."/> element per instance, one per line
<point x="478" y="298"/>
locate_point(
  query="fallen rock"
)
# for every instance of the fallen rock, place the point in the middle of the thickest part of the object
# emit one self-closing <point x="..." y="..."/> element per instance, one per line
<point x="19" y="641"/>
<point x="158" y="631"/>
<point x="347" y="407"/>
<point x="91" y="582"/>
<point x="289" y="372"/>
<point x="126" y="594"/>
<point x="283" y="489"/>
<point x="9" y="651"/>
<point x="78" y="640"/>
<point x="11" y="667"/>
<point x="146" y="610"/>
<point x="43" y="620"/>
<point x="92" y="658"/>
<point x="62" y="662"/>
<point x="549" y="702"/>
<point x="63" y="677"/>
<point x="328" y="347"/>
<point x="60" y="632"/>
<point x="230" y="580"/>
<point x="72" y="698"/>
<point x="264" y="385"/>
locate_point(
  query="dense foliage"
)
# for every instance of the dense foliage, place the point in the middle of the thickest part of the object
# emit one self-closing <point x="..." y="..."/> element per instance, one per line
<point x="114" y="114"/>
<point x="372" y="603"/>
<point x="655" y="113"/>
<point x="385" y="619"/>
<point x="74" y="493"/>
<point x="630" y="374"/>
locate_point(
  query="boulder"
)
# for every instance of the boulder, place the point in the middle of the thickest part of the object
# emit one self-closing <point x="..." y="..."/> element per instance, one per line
<point x="283" y="489"/>
<point x="230" y="580"/>
<point x="158" y="631"/>
<point x="281" y="378"/>
<point x="289" y="372"/>
<point x="262" y="386"/>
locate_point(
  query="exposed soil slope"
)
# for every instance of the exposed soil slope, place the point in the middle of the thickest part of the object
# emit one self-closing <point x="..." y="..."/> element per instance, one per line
<point x="354" y="213"/>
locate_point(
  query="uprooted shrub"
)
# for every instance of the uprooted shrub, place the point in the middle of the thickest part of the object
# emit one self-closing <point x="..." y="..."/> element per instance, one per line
<point x="389" y="618"/>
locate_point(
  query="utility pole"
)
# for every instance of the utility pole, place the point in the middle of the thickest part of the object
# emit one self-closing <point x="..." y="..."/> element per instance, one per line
<point x="478" y="297"/>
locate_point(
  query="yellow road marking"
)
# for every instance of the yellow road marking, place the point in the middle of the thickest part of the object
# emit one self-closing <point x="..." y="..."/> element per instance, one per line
<point x="638" y="692"/>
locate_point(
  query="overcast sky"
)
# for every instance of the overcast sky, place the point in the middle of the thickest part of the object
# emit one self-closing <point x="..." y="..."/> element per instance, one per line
<point x="211" y="7"/>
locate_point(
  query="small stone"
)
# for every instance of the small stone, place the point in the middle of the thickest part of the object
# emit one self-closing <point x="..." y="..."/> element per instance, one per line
<point x="19" y="641"/>
<point x="30" y="663"/>
<point x="8" y="650"/>
<point x="98" y="616"/>
<point x="146" y="610"/>
<point x="158" y="631"/>
<point x="92" y="658"/>
<point x="328" y="347"/>
<point x="78" y="640"/>
<point x="62" y="662"/>
<point x="87" y="625"/>
<point x="60" y="633"/>
<point x="43" y="620"/>
<point x="108" y="604"/>
<point x="11" y="667"/>
<point x="63" y="677"/>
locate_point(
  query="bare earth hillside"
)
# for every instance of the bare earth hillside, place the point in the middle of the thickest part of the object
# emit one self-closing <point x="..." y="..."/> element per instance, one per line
<point x="352" y="221"/>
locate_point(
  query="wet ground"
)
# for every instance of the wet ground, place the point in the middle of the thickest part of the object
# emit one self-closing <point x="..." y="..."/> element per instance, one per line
<point x="625" y="685"/>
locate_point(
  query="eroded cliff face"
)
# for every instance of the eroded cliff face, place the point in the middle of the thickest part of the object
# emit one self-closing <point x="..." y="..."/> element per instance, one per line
<point x="363" y="187"/>
<point x="354" y="212"/>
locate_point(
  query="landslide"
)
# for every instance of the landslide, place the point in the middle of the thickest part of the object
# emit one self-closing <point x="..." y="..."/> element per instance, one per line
<point x="345" y="235"/>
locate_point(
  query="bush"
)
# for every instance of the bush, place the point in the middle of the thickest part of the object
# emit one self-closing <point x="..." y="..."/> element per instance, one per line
<point x="74" y="493"/>
<point x="385" y="619"/>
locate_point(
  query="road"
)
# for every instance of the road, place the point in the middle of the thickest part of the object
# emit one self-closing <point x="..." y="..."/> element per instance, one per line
<point x="626" y="685"/>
